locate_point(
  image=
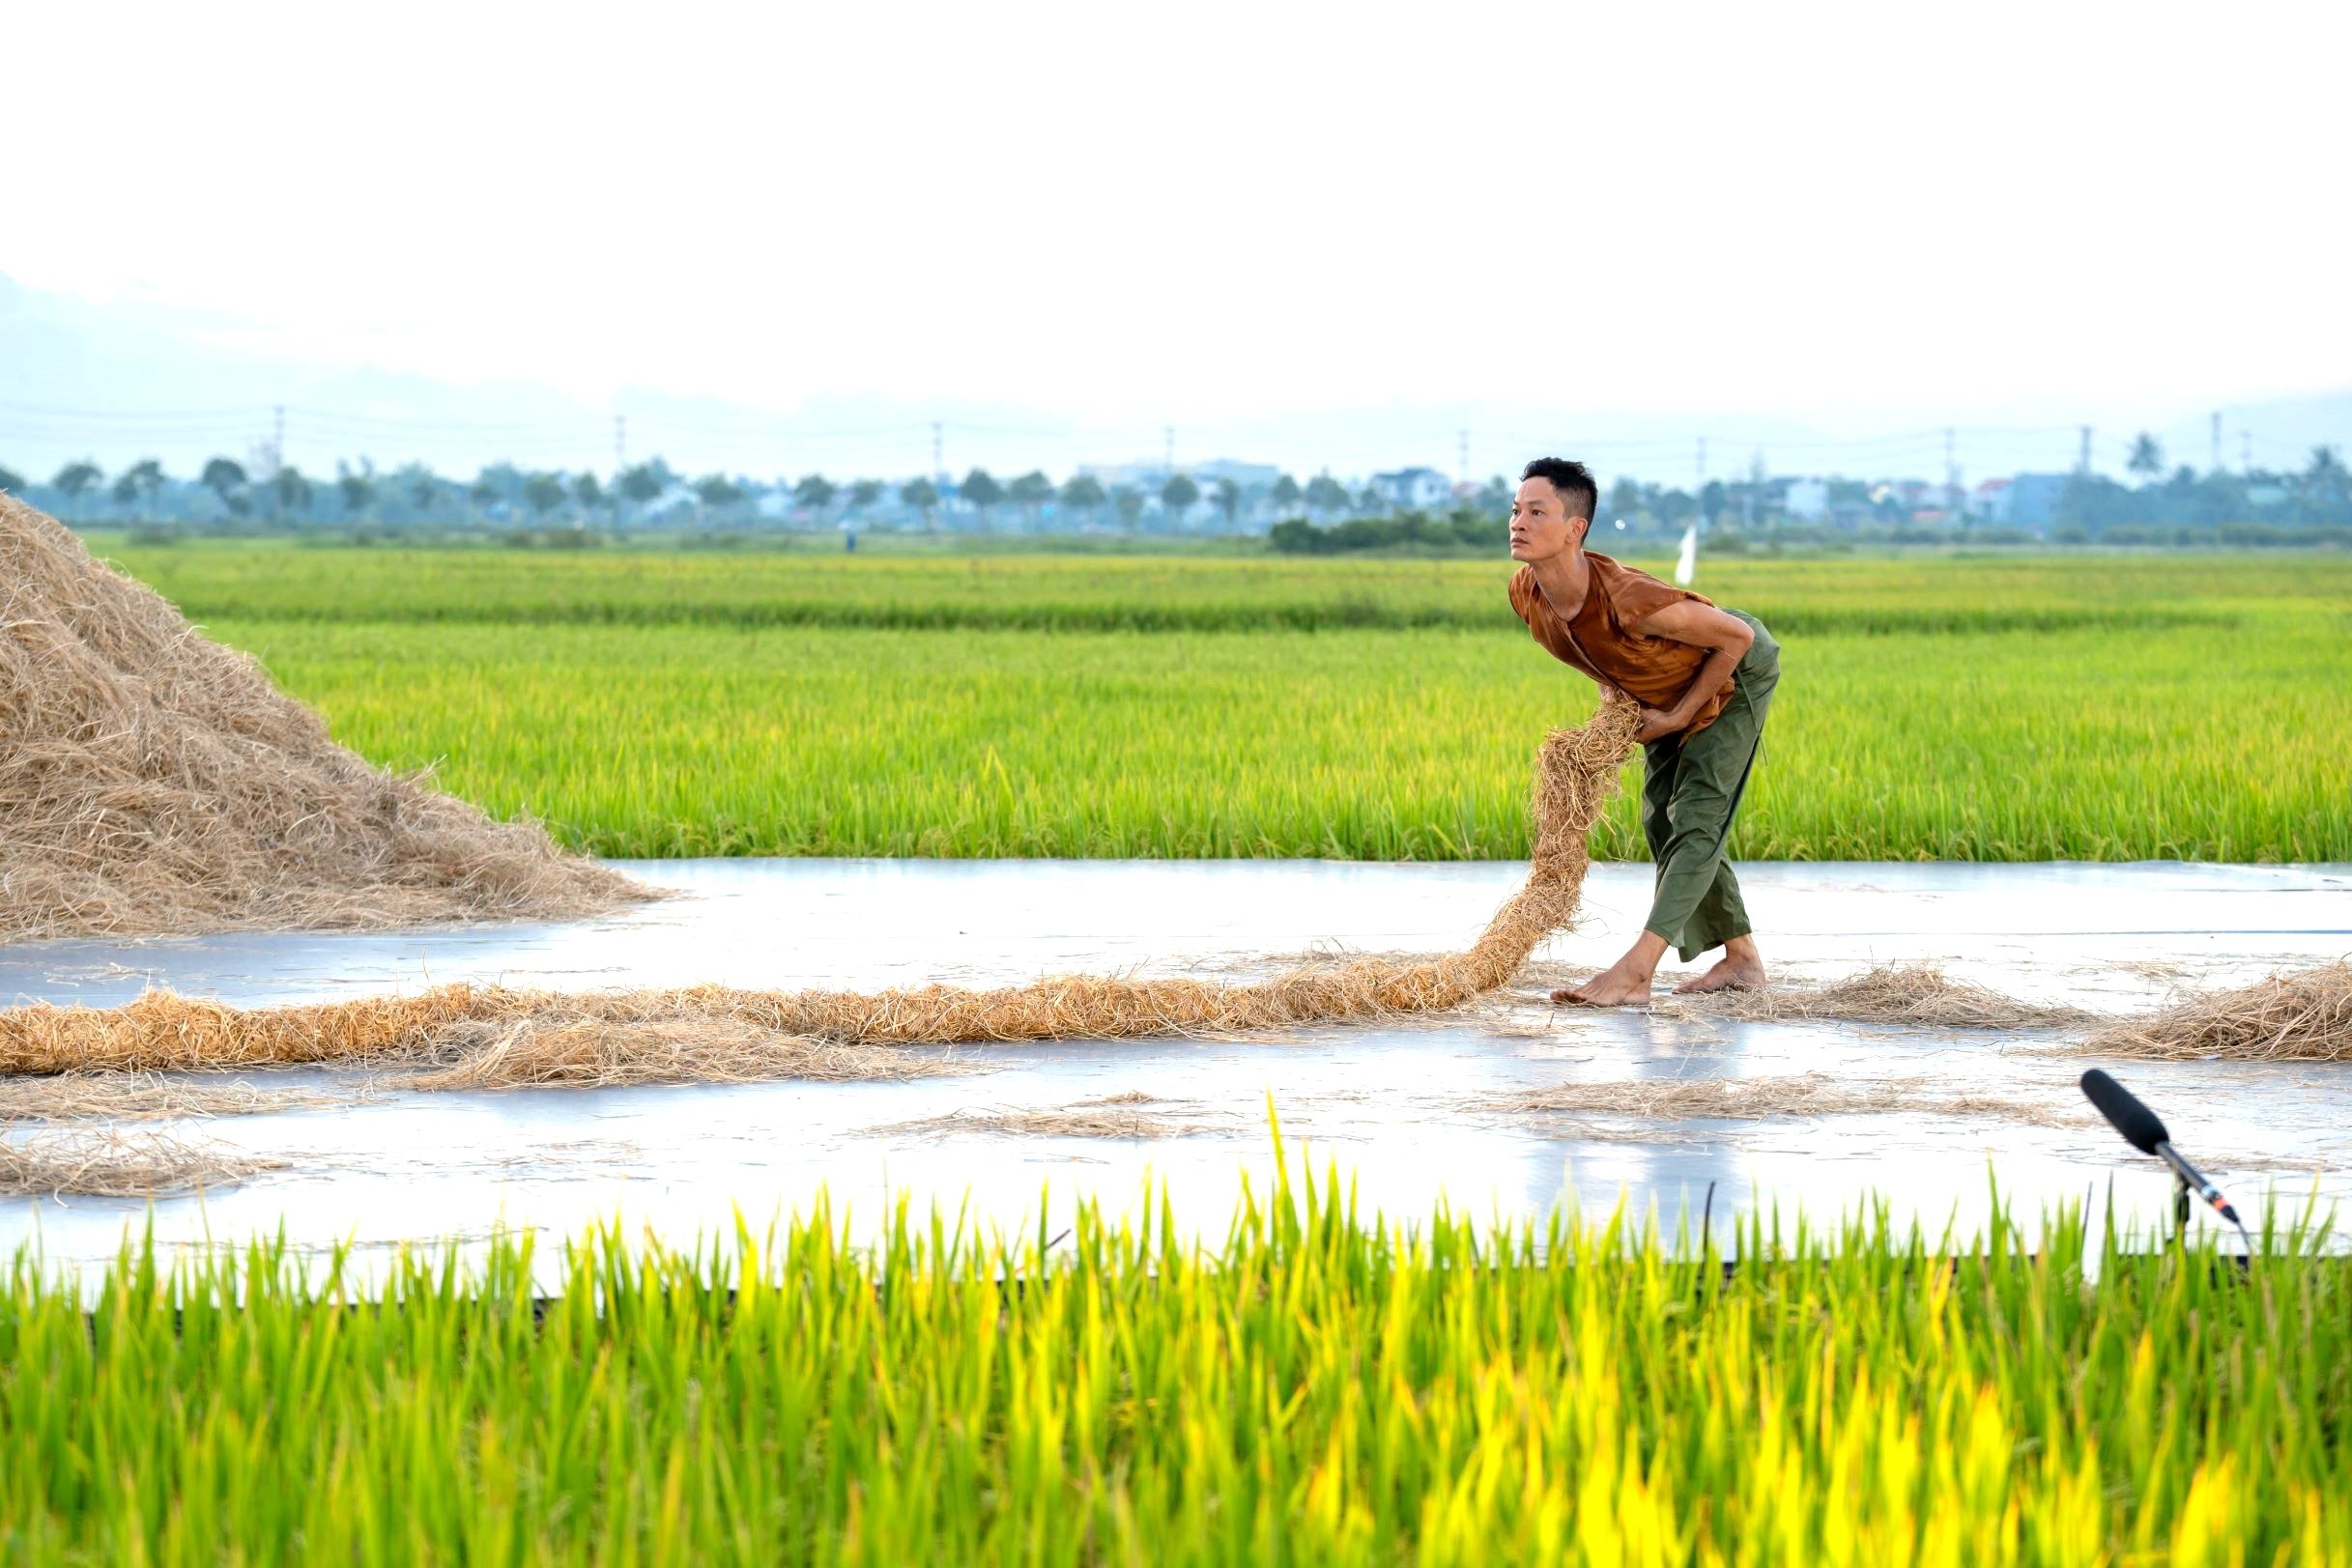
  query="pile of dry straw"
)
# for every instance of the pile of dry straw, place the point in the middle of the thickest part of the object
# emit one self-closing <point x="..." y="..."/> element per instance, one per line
<point x="152" y="782"/>
<point x="2304" y="1016"/>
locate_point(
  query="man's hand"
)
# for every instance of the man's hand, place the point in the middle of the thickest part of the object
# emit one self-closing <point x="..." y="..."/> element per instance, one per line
<point x="1659" y="723"/>
<point x="1655" y="722"/>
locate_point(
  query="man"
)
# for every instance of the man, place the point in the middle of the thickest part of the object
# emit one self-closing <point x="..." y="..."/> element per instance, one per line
<point x="1703" y="677"/>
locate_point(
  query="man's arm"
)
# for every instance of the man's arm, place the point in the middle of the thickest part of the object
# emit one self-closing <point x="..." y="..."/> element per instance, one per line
<point x="1727" y="639"/>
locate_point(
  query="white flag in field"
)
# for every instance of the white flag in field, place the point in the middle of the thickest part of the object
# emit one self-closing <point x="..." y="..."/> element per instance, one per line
<point x="1686" y="564"/>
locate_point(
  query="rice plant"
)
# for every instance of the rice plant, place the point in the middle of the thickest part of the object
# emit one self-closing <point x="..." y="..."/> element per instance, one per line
<point x="1319" y="1387"/>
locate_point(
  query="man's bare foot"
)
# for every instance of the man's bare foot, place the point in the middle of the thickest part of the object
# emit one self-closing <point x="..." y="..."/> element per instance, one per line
<point x="1625" y="983"/>
<point x="1619" y="985"/>
<point x="1739" y="969"/>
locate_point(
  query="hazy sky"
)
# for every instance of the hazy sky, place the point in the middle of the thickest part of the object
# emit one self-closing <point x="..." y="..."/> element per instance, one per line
<point x="1861" y="215"/>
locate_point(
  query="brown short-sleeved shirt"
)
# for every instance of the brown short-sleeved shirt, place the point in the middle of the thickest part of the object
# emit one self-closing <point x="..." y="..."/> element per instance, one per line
<point x="1600" y="639"/>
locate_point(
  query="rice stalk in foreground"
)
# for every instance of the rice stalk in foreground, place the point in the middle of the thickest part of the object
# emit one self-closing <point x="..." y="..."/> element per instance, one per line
<point x="1320" y="1386"/>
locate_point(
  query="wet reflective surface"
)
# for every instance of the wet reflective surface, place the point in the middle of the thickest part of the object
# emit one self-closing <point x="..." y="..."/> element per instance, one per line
<point x="1403" y="1111"/>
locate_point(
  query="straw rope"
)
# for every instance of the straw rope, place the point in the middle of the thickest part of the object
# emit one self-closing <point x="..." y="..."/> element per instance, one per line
<point x="541" y="1039"/>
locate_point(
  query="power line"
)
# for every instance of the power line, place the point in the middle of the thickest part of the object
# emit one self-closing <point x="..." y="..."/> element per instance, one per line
<point x="231" y="427"/>
<point x="244" y="411"/>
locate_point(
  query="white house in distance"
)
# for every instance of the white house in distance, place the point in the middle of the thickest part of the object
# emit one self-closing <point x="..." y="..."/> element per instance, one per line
<point x="1414" y="489"/>
<point x="1990" y="502"/>
<point x="2026" y="502"/>
<point x="1807" y="501"/>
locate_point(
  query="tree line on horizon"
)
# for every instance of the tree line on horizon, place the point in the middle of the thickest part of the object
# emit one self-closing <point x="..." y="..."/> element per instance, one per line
<point x="648" y="491"/>
<point x="651" y="493"/>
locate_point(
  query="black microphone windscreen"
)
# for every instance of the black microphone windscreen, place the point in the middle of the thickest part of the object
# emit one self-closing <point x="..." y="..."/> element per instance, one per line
<point x="2138" y="1124"/>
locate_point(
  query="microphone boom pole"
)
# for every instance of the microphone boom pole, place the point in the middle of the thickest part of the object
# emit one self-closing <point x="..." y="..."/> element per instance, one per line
<point x="2144" y="1131"/>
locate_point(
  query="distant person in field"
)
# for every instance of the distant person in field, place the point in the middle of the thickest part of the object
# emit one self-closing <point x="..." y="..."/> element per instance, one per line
<point x="1703" y="677"/>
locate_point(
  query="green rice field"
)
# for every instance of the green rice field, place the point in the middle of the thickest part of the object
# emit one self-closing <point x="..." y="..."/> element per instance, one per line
<point x="649" y="703"/>
<point x="1320" y="1387"/>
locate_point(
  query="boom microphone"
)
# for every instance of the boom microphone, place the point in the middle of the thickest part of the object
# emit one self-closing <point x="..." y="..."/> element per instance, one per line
<point x="2144" y="1131"/>
<point x="2139" y="1125"/>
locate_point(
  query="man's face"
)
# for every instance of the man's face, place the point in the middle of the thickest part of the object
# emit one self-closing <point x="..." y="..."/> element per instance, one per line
<point x="1540" y="524"/>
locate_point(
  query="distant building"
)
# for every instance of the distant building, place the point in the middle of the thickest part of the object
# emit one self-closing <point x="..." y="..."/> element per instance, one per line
<point x="1989" y="501"/>
<point x="1141" y="475"/>
<point x="1807" y="499"/>
<point x="2033" y="499"/>
<point x="1149" y="475"/>
<point x="1921" y="496"/>
<point x="1247" y="476"/>
<point x="1415" y="490"/>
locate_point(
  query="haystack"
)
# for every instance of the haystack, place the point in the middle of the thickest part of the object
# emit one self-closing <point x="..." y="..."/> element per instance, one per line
<point x="154" y="782"/>
<point x="484" y="1036"/>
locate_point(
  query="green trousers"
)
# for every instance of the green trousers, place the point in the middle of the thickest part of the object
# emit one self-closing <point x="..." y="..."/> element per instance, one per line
<point x="1689" y="795"/>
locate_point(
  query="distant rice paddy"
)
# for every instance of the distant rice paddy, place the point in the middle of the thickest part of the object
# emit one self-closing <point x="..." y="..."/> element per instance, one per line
<point x="650" y="705"/>
<point x="993" y="591"/>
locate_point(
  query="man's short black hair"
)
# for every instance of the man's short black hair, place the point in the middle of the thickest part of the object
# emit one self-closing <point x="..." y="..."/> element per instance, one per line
<point x="1577" y="487"/>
